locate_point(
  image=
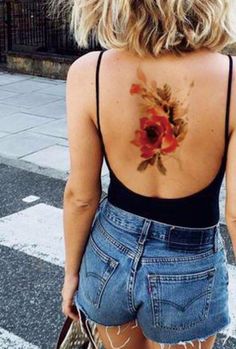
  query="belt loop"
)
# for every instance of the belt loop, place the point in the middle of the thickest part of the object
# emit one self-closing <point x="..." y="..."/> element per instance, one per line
<point x="169" y="233"/>
<point x="216" y="239"/>
<point x="144" y="231"/>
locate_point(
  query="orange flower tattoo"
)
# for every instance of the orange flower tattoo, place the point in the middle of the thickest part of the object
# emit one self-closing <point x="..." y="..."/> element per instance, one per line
<point x="162" y="127"/>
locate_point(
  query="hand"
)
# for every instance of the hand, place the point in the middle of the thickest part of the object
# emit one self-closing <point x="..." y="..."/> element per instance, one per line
<point x="69" y="288"/>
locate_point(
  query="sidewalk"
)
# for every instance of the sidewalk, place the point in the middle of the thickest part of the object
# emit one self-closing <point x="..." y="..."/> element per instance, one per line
<point x="33" y="131"/>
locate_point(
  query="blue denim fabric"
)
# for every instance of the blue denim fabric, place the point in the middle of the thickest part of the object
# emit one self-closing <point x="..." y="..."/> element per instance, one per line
<point x="172" y="280"/>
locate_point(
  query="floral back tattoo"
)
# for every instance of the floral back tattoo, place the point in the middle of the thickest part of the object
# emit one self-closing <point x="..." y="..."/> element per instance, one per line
<point x="163" y="125"/>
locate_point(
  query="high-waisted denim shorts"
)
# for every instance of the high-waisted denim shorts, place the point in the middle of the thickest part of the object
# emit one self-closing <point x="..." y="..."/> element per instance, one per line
<point x="172" y="280"/>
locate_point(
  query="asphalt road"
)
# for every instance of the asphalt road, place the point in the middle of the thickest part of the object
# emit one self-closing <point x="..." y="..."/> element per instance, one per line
<point x="31" y="260"/>
<point x="30" y="291"/>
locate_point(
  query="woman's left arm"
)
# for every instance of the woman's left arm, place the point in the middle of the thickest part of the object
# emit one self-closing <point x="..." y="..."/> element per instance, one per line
<point x="83" y="188"/>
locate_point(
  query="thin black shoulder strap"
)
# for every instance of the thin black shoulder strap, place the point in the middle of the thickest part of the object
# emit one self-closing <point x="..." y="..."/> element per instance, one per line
<point x="97" y="93"/>
<point x="230" y="80"/>
<point x="98" y="110"/>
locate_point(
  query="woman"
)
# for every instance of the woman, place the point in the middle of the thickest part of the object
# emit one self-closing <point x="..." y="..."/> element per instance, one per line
<point x="148" y="264"/>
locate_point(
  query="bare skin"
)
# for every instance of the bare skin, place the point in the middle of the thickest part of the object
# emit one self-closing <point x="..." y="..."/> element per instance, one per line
<point x="130" y="336"/>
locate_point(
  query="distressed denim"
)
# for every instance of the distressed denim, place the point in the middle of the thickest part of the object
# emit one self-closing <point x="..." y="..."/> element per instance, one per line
<point x="172" y="280"/>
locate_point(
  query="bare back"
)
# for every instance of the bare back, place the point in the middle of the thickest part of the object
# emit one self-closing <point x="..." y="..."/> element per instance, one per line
<point x="196" y="84"/>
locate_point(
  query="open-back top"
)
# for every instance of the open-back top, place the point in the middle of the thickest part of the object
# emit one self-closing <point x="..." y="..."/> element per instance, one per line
<point x="200" y="209"/>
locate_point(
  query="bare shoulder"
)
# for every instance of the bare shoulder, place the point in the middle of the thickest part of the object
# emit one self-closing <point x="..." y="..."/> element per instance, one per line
<point x="81" y="80"/>
<point x="84" y="65"/>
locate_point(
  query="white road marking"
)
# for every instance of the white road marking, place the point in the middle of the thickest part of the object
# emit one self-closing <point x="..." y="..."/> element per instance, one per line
<point x="36" y="231"/>
<point x="31" y="198"/>
<point x="10" y="341"/>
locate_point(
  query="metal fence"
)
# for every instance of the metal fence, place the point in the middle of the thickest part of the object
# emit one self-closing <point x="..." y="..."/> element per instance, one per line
<point x="26" y="26"/>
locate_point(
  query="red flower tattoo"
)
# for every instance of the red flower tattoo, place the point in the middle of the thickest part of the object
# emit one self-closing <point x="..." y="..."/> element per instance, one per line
<point x="162" y="126"/>
<point x="156" y="134"/>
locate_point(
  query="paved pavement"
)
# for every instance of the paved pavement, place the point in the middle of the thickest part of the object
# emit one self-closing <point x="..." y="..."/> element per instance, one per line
<point x="33" y="124"/>
<point x="34" y="164"/>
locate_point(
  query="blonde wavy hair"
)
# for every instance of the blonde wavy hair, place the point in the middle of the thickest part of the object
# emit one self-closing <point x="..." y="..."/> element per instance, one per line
<point x="151" y="27"/>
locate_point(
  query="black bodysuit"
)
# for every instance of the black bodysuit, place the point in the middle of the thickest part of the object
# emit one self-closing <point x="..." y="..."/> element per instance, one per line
<point x="200" y="209"/>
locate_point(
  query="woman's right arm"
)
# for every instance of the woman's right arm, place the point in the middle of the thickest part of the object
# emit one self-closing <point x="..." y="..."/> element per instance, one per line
<point x="230" y="209"/>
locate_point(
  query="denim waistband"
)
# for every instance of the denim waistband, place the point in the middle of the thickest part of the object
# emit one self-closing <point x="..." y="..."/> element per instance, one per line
<point x="173" y="234"/>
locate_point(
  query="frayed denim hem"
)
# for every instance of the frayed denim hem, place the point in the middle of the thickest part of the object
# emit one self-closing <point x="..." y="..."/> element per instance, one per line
<point x="225" y="330"/>
<point x="88" y="327"/>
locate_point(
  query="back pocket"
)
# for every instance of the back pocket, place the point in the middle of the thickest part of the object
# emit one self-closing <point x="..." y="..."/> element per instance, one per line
<point x="180" y="301"/>
<point x="96" y="270"/>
